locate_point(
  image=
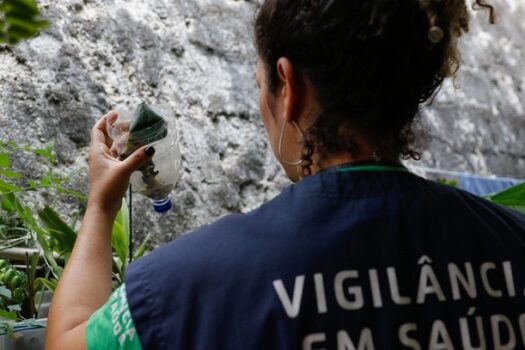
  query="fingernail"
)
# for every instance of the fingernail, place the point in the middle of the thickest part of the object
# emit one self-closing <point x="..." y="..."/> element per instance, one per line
<point x="150" y="151"/>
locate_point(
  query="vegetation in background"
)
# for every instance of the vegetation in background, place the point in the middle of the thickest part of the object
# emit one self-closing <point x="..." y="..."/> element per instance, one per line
<point x="24" y="224"/>
<point x="54" y="234"/>
<point x="19" y="20"/>
<point x="449" y="182"/>
<point x="513" y="197"/>
<point x="17" y="293"/>
<point x="20" y="226"/>
<point x="12" y="289"/>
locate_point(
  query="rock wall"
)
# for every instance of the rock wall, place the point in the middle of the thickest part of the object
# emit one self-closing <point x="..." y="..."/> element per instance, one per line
<point x="480" y="127"/>
<point x="198" y="56"/>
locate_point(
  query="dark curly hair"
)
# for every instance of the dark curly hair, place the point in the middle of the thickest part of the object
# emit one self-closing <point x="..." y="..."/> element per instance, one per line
<point x="373" y="64"/>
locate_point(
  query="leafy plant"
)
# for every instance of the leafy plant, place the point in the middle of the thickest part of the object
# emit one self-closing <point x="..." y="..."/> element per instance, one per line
<point x="60" y="236"/>
<point x="44" y="228"/>
<point x="12" y="181"/>
<point x="59" y="230"/>
<point x="17" y="292"/>
<point x="19" y="20"/>
<point x="12" y="287"/>
<point x="15" y="189"/>
<point x="513" y="197"/>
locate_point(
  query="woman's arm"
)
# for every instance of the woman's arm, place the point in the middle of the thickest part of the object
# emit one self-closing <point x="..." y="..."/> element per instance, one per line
<point x="85" y="284"/>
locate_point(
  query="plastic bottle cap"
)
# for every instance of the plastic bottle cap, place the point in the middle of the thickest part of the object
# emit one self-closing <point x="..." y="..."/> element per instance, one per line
<point x="163" y="205"/>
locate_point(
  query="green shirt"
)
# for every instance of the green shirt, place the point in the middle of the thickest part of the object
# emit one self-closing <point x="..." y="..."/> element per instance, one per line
<point x="111" y="327"/>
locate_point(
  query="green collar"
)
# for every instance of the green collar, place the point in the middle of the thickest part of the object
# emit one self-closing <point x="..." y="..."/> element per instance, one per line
<point x="367" y="166"/>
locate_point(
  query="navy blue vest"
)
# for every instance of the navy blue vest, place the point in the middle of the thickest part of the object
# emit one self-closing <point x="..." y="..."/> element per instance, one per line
<point x="351" y="260"/>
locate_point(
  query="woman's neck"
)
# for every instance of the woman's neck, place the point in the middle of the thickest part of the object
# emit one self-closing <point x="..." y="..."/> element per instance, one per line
<point x="345" y="158"/>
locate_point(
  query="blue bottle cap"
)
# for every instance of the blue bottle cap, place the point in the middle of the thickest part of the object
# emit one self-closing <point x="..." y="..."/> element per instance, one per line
<point x="163" y="205"/>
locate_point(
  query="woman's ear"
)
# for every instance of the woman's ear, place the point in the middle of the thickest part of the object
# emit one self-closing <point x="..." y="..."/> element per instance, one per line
<point x="288" y="90"/>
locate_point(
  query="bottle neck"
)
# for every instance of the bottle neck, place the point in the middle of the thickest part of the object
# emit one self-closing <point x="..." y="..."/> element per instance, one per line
<point x="162" y="205"/>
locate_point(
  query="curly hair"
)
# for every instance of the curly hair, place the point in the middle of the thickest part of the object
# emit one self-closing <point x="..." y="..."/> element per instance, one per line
<point x="373" y="64"/>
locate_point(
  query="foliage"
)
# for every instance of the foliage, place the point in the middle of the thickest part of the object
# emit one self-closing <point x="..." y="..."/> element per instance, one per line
<point x="13" y="290"/>
<point x="13" y="182"/>
<point x="44" y="228"/>
<point x="19" y="20"/>
<point x="18" y="225"/>
<point x="59" y="230"/>
<point x="17" y="293"/>
<point x="449" y="182"/>
<point x="513" y="197"/>
<point x="16" y="190"/>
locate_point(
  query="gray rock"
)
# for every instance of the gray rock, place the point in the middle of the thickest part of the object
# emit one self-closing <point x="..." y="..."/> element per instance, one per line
<point x="198" y="56"/>
<point x="480" y="127"/>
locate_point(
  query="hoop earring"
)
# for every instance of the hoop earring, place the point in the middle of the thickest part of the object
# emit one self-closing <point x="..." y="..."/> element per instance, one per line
<point x="297" y="163"/>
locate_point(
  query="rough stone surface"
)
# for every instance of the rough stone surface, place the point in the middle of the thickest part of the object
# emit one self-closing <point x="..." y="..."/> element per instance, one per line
<point x="480" y="127"/>
<point x="198" y="56"/>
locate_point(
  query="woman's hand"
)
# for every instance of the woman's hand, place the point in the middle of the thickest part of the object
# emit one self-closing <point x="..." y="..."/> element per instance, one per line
<point x="108" y="176"/>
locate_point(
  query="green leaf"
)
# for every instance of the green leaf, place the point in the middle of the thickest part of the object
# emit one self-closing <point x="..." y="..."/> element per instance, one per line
<point x="449" y="182"/>
<point x="513" y="197"/>
<point x="45" y="181"/>
<point x="8" y="202"/>
<point x="32" y="183"/>
<point x="124" y="218"/>
<point x="6" y="187"/>
<point x="119" y="241"/>
<point x="57" y="180"/>
<point x="17" y="12"/>
<point x="10" y="315"/>
<point x="4" y="160"/>
<point x="24" y="213"/>
<point x="58" y="229"/>
<point x="18" y="29"/>
<point x="71" y="193"/>
<point x="49" y="284"/>
<point x="48" y="254"/>
<point x="29" y="6"/>
<point x="120" y="236"/>
<point x="11" y="174"/>
<point x="143" y="247"/>
<point x="147" y="126"/>
<point x="21" y="20"/>
<point x="46" y="153"/>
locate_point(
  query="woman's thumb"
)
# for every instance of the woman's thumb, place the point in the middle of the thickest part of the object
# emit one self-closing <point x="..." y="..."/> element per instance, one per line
<point x="137" y="159"/>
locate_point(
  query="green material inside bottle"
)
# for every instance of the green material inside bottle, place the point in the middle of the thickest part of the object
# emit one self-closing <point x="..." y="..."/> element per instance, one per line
<point x="147" y="127"/>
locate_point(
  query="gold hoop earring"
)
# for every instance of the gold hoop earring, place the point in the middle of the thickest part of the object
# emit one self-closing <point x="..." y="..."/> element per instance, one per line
<point x="297" y="163"/>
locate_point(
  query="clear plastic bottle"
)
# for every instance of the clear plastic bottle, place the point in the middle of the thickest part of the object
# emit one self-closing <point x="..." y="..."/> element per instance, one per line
<point x="157" y="178"/>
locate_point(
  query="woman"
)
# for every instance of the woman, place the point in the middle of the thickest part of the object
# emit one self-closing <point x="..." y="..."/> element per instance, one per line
<point x="359" y="253"/>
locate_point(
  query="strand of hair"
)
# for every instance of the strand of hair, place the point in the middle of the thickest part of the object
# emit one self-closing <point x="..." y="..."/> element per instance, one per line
<point x="481" y="4"/>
